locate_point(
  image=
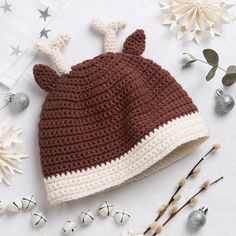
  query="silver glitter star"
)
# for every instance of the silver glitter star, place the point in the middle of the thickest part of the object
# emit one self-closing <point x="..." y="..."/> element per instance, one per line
<point x="44" y="33"/>
<point x="15" y="51"/>
<point x="44" y="14"/>
<point x="6" y="7"/>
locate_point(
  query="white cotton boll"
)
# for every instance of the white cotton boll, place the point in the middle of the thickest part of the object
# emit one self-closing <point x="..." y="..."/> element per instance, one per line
<point x="15" y="206"/>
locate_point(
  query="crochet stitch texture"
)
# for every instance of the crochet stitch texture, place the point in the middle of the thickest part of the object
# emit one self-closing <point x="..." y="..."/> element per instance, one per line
<point x="111" y="120"/>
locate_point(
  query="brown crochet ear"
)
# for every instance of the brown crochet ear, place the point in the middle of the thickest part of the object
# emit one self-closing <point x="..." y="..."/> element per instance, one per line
<point x="135" y="43"/>
<point x="45" y="77"/>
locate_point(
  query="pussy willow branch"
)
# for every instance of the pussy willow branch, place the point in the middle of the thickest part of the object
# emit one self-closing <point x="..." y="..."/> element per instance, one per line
<point x="210" y="65"/>
<point x="161" y="213"/>
<point x="188" y="202"/>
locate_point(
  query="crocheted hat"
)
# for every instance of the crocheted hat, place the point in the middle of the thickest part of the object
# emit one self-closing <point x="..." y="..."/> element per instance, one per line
<point x="112" y="119"/>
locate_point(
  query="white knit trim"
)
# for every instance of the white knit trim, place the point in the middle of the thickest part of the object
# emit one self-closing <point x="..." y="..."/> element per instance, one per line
<point x="110" y="31"/>
<point x="53" y="50"/>
<point x="158" y="149"/>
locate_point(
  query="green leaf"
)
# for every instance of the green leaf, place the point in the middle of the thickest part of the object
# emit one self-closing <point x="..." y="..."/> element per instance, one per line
<point x="211" y="73"/>
<point x="211" y="56"/>
<point x="231" y="69"/>
<point x="229" y="79"/>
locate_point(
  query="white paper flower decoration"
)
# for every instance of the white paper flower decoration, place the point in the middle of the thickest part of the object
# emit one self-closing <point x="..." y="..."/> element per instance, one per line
<point x="10" y="155"/>
<point x="196" y="19"/>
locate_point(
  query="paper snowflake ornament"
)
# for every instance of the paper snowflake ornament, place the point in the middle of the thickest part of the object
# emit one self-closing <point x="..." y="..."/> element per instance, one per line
<point x="10" y="155"/>
<point x="196" y="19"/>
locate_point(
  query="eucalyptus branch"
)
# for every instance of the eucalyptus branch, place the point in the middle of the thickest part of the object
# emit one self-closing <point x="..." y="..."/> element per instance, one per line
<point x="205" y="186"/>
<point x="197" y="59"/>
<point x="212" y="59"/>
<point x="195" y="170"/>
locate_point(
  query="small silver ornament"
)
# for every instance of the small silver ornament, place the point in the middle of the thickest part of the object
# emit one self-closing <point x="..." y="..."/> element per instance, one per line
<point x="15" y="206"/>
<point x="122" y="216"/>
<point x="38" y="219"/>
<point x="19" y="101"/>
<point x="197" y="219"/>
<point x="105" y="209"/>
<point x="69" y="227"/>
<point x="3" y="207"/>
<point x="224" y="102"/>
<point x="86" y="218"/>
<point x="28" y="202"/>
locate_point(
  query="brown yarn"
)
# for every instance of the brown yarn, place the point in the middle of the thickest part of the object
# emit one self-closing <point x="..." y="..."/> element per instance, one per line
<point x="103" y="107"/>
<point x="135" y="43"/>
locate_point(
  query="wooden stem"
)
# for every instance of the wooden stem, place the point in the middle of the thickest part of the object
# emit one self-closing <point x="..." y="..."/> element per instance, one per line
<point x="188" y="202"/>
<point x="210" y="65"/>
<point x="161" y="213"/>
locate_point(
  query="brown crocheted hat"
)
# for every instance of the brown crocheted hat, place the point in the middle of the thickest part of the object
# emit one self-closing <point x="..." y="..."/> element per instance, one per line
<point x="110" y="120"/>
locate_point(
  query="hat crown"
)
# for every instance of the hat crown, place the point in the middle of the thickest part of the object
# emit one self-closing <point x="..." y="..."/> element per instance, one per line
<point x="112" y="119"/>
<point x="47" y="78"/>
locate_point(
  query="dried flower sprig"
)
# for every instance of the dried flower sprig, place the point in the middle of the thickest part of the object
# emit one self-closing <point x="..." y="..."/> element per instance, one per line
<point x="193" y="201"/>
<point x="176" y="196"/>
<point x="204" y="187"/>
<point x="212" y="59"/>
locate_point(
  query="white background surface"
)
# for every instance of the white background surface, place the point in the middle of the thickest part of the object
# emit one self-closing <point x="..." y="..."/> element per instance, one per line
<point x="142" y="198"/>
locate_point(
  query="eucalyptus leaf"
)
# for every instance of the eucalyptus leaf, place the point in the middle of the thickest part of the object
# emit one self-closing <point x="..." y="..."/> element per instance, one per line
<point x="211" y="73"/>
<point x="231" y="69"/>
<point x="211" y="56"/>
<point x="229" y="79"/>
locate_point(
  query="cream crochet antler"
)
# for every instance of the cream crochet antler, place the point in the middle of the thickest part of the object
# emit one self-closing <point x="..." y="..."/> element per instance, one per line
<point x="53" y="48"/>
<point x="110" y="31"/>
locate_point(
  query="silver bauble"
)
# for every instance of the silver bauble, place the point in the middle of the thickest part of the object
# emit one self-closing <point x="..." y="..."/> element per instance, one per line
<point x="224" y="102"/>
<point x="19" y="101"/>
<point x="197" y="219"/>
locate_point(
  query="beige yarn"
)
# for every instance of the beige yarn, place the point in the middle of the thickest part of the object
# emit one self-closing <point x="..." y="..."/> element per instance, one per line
<point x="52" y="49"/>
<point x="110" y="31"/>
